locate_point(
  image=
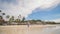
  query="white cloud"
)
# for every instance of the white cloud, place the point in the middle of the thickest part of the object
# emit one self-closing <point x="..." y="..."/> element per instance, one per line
<point x="56" y="20"/>
<point x="25" y="7"/>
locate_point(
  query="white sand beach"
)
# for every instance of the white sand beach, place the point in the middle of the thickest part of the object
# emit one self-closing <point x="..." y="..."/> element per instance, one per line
<point x="32" y="29"/>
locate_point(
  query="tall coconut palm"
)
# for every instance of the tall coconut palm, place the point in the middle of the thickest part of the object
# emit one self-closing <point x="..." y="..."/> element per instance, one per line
<point x="1" y="17"/>
<point x="0" y="10"/>
<point x="23" y="19"/>
<point x="7" y="16"/>
<point x="1" y="14"/>
<point x="11" y="19"/>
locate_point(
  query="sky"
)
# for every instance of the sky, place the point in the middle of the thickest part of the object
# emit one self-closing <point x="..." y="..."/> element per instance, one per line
<point x="53" y="14"/>
<point x="32" y="9"/>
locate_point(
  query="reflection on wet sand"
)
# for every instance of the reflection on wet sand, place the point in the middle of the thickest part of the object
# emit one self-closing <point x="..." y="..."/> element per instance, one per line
<point x="24" y="29"/>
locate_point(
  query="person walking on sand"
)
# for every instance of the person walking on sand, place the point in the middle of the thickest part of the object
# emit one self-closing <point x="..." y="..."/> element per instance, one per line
<point x="28" y="24"/>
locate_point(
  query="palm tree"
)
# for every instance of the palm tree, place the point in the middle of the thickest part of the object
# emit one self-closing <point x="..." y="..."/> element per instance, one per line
<point x="11" y="19"/>
<point x="1" y="17"/>
<point x="7" y="16"/>
<point x="33" y="21"/>
<point x="0" y="11"/>
<point x="2" y="14"/>
<point x="23" y="19"/>
<point x="17" y="20"/>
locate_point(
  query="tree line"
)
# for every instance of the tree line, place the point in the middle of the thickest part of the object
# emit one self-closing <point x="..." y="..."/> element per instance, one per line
<point x="18" y="21"/>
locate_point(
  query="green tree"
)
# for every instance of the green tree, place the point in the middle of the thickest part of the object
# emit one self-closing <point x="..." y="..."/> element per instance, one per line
<point x="11" y="19"/>
<point x="23" y="19"/>
<point x="33" y="21"/>
<point x="7" y="16"/>
<point x="1" y="17"/>
<point x="0" y="11"/>
<point x="1" y="14"/>
<point x="17" y="20"/>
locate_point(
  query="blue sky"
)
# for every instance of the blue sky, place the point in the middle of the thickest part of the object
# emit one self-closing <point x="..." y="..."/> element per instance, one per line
<point x="32" y="9"/>
<point x="46" y="14"/>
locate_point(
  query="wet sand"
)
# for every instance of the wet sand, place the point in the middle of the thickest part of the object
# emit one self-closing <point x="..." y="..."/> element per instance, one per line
<point x="24" y="29"/>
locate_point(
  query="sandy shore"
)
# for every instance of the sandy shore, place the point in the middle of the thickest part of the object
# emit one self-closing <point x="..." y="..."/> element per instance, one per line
<point x="24" y="29"/>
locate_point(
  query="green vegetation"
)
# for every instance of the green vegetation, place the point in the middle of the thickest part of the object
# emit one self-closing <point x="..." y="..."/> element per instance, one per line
<point x="7" y="16"/>
<point x="1" y="17"/>
<point x="18" y="21"/>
